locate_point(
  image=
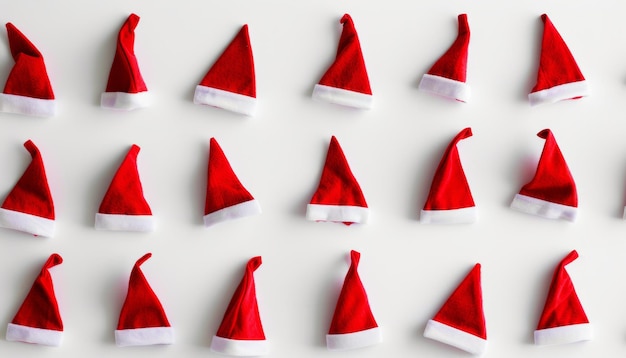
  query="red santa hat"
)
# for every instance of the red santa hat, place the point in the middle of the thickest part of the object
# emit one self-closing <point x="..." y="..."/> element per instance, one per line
<point x="27" y="89"/>
<point x="450" y="199"/>
<point x="125" y="89"/>
<point x="230" y="83"/>
<point x="29" y="206"/>
<point x="353" y="325"/>
<point x="447" y="77"/>
<point x="558" y="77"/>
<point x="124" y="207"/>
<point x="142" y="319"/>
<point x="346" y="81"/>
<point x="338" y="197"/>
<point x="38" y="320"/>
<point x="461" y="320"/>
<point x="241" y="332"/>
<point x="226" y="197"/>
<point x="563" y="319"/>
<point x="552" y="192"/>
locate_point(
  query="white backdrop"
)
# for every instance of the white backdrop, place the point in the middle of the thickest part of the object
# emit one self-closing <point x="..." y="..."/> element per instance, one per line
<point x="408" y="268"/>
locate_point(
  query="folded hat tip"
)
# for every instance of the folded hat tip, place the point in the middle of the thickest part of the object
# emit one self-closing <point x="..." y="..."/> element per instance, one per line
<point x="544" y="17"/>
<point x="53" y="260"/>
<point x="254" y="263"/>
<point x="544" y="134"/>
<point x="345" y="18"/>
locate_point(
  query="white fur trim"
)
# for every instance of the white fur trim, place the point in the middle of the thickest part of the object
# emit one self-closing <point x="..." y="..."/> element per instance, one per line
<point x="118" y="222"/>
<point x="10" y="103"/>
<point x="455" y="337"/>
<point x="564" y="334"/>
<point x="236" y="347"/>
<point x="342" y="96"/>
<point x="337" y="213"/>
<point x="144" y="336"/>
<point x="543" y="208"/>
<point x="445" y="87"/>
<point x="231" y="101"/>
<point x="559" y="93"/>
<point x="247" y="208"/>
<point x="31" y="224"/>
<point x="354" y="340"/>
<point x="48" y="337"/>
<point x="453" y="216"/>
<point x="125" y="101"/>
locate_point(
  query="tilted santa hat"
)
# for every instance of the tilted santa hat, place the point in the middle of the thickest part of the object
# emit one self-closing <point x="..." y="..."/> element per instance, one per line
<point x="558" y="77"/>
<point x="461" y="321"/>
<point x="230" y="83"/>
<point x="142" y="319"/>
<point x="338" y="197"/>
<point x="38" y="319"/>
<point x="447" y="77"/>
<point x="226" y="197"/>
<point x="353" y="325"/>
<point x="241" y="332"/>
<point x="450" y="199"/>
<point x="552" y="192"/>
<point x="125" y="88"/>
<point x="345" y="81"/>
<point x="29" y="206"/>
<point x="563" y="319"/>
<point x="27" y="89"/>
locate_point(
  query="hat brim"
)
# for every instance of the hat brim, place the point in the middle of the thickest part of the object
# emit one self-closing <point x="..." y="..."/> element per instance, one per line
<point x="342" y="96"/>
<point x="28" y="223"/>
<point x="48" y="337"/>
<point x="239" y="347"/>
<point x="564" y="334"/>
<point x="337" y="213"/>
<point x="10" y="103"/>
<point x="455" y="337"/>
<point x="230" y="101"/>
<point x="445" y="87"/>
<point x="454" y="216"/>
<point x="125" y="101"/>
<point x="247" y="208"/>
<point x="119" y="222"/>
<point x="543" y="208"/>
<point x="558" y="93"/>
<point x="354" y="340"/>
<point x="144" y="336"/>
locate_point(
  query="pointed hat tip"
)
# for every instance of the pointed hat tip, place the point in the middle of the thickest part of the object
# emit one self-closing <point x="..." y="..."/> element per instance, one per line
<point x="545" y="133"/>
<point x="143" y="259"/>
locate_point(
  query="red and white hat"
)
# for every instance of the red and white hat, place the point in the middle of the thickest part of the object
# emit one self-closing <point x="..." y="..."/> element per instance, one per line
<point x="29" y="206"/>
<point x="125" y="89"/>
<point x="447" y="77"/>
<point x="230" y="83"/>
<point x="558" y="77"/>
<point x="338" y="197"/>
<point x="124" y="207"/>
<point x="27" y="89"/>
<point x="345" y="81"/>
<point x="461" y="320"/>
<point x="552" y="192"/>
<point x="142" y="319"/>
<point x="450" y="199"/>
<point x="38" y="320"/>
<point x="226" y="197"/>
<point x="563" y="319"/>
<point x="241" y="332"/>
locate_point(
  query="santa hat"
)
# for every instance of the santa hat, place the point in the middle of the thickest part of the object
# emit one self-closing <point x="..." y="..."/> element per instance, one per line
<point x="346" y="81"/>
<point x="226" y="197"/>
<point x="230" y="83"/>
<point x="125" y="89"/>
<point x="142" y="319"/>
<point x="353" y="325"/>
<point x="447" y="77"/>
<point x="124" y="207"/>
<point x="241" y="332"/>
<point x="29" y="206"/>
<point x="563" y="319"/>
<point x="338" y="197"/>
<point x="450" y="199"/>
<point x="461" y="320"/>
<point x="38" y="320"/>
<point x="558" y="77"/>
<point x="552" y="192"/>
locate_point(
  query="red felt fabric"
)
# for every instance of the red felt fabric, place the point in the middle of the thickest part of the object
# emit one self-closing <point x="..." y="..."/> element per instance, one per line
<point x="453" y="63"/>
<point x="464" y="308"/>
<point x="142" y="308"/>
<point x="562" y="306"/>
<point x="31" y="194"/>
<point x="242" y="320"/>
<point x="28" y="77"/>
<point x="125" y="193"/>
<point x="553" y="181"/>
<point x="348" y="70"/>
<point x="125" y="75"/>
<point x="40" y="308"/>
<point x="234" y="69"/>
<point x="449" y="189"/>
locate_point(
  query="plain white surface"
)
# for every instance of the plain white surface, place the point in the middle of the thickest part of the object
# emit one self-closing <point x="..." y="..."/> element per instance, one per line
<point x="408" y="268"/>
